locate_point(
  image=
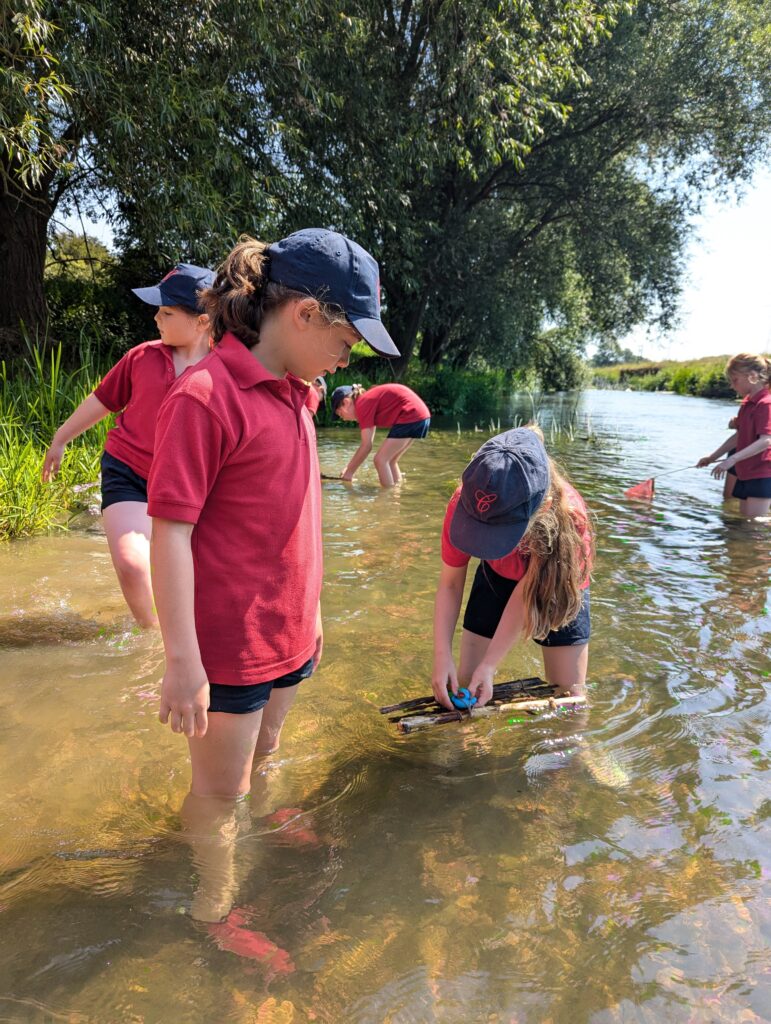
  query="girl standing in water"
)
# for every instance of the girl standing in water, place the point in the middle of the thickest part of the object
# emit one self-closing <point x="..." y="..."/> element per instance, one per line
<point x="393" y="406"/>
<point x="135" y="388"/>
<point x="235" y="497"/>
<point x="530" y="529"/>
<point x="750" y="446"/>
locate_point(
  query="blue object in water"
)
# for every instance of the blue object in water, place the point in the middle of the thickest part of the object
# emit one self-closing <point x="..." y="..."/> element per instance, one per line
<point x="462" y="699"/>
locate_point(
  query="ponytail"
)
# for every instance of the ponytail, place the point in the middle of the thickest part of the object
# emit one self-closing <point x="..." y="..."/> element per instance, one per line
<point x="745" y="362"/>
<point x="243" y="294"/>
<point x="559" y="545"/>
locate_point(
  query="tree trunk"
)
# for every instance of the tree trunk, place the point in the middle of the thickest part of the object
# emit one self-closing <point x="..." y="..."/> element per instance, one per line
<point x="23" y="227"/>
<point x="404" y="317"/>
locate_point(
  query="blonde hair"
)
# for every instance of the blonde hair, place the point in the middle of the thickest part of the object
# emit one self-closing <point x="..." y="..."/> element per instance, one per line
<point x="745" y="362"/>
<point x="242" y="294"/>
<point x="560" y="548"/>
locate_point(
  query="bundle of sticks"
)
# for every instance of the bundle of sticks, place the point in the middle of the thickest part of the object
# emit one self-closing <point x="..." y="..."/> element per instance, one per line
<point x="529" y="695"/>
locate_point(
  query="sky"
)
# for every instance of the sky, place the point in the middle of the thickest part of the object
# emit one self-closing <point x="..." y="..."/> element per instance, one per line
<point x="725" y="305"/>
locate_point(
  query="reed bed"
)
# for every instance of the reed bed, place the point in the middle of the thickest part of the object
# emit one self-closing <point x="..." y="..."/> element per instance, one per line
<point x="37" y="394"/>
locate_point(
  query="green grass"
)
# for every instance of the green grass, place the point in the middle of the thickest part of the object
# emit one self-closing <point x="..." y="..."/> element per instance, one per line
<point x="36" y="395"/>
<point x="703" y="377"/>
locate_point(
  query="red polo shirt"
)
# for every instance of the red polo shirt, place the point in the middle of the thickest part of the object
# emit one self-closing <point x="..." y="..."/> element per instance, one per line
<point x="389" y="404"/>
<point x="137" y="384"/>
<point x="235" y="454"/>
<point x="514" y="565"/>
<point x="754" y="421"/>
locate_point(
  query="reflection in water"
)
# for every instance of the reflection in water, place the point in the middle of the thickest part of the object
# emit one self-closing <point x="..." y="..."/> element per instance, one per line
<point x="604" y="865"/>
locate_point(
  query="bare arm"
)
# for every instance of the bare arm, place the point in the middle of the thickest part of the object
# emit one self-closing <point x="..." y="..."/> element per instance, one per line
<point x="762" y="443"/>
<point x="89" y="412"/>
<point x="361" y="453"/>
<point x="726" y="446"/>
<point x="449" y="597"/>
<point x="185" y="688"/>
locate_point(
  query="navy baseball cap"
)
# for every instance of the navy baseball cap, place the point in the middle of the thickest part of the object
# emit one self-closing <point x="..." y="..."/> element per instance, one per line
<point x="503" y="485"/>
<point x="180" y="287"/>
<point x="339" y="394"/>
<point x="333" y="269"/>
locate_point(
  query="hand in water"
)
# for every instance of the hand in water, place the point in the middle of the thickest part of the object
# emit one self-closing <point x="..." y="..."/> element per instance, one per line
<point x="444" y="677"/>
<point x="481" y="685"/>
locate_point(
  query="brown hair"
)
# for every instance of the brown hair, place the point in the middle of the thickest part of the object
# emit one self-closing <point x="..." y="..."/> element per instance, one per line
<point x="560" y="548"/>
<point x="747" y="363"/>
<point x="242" y="295"/>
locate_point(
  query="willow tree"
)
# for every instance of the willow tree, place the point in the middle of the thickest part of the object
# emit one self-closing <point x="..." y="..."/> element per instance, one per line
<point x="503" y="158"/>
<point x="146" y="112"/>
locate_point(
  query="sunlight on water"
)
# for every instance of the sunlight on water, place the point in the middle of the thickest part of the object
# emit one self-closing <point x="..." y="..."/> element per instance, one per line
<point x="603" y="865"/>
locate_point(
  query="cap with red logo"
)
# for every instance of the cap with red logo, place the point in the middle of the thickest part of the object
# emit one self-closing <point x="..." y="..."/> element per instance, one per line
<point x="180" y="287"/>
<point x="503" y="486"/>
<point x="334" y="269"/>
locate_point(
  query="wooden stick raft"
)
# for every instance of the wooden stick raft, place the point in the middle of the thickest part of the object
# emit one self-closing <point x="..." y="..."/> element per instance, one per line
<point x="529" y="695"/>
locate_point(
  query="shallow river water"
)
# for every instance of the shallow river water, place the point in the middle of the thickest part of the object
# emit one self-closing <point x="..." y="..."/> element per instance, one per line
<point x="597" y="866"/>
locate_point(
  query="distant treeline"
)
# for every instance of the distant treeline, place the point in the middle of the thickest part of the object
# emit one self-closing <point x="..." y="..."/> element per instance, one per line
<point x="703" y="377"/>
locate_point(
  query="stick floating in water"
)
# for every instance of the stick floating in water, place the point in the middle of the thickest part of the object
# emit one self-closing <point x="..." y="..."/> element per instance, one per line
<point x="529" y="695"/>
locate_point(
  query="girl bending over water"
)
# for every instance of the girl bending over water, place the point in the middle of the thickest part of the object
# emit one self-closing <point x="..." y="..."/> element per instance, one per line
<point x="515" y="512"/>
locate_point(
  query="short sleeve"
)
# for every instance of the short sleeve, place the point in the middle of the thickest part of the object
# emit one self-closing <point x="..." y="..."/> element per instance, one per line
<point x="114" y="390"/>
<point x="191" y="446"/>
<point x="451" y="555"/>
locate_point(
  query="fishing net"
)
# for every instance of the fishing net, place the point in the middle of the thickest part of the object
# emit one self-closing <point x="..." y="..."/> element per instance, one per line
<point x="643" y="491"/>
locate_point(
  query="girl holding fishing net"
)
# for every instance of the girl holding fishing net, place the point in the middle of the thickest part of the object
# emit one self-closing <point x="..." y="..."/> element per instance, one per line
<point x="748" y="450"/>
<point x="530" y="529"/>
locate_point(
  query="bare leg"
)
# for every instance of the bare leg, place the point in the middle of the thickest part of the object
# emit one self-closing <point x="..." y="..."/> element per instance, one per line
<point x="222" y="766"/>
<point x="273" y="715"/>
<point x="473" y="648"/>
<point x="396" y="473"/>
<point x="127" y="528"/>
<point x="729" y="482"/>
<point x="754" y="507"/>
<point x="566" y="667"/>
<point x="389" y="451"/>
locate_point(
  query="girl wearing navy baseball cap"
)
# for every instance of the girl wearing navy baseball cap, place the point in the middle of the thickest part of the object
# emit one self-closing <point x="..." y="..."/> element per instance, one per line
<point x="135" y="388"/>
<point x="530" y="529"/>
<point x="235" y="497"/>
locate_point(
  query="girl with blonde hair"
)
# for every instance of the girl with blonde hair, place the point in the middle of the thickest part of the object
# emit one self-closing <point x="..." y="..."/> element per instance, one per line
<point x="748" y="450"/>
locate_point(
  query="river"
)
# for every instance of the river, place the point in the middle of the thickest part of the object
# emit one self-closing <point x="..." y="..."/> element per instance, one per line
<point x="597" y="866"/>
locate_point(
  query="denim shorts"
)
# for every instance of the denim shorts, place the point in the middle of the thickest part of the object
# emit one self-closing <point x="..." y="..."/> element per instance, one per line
<point x="490" y="593"/>
<point x="241" y="700"/>
<point x="120" y="482"/>
<point x="759" y="487"/>
<point x="418" y="429"/>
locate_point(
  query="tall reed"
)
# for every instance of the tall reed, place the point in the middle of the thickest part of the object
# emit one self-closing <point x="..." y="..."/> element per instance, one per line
<point x="36" y="395"/>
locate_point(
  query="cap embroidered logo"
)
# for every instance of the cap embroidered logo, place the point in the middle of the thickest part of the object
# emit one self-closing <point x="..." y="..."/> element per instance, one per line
<point x="484" y="501"/>
<point x="171" y="273"/>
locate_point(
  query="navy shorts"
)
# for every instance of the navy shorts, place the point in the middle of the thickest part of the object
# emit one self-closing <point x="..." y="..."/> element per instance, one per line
<point x="760" y="487"/>
<point x="120" y="482"/>
<point x="732" y="470"/>
<point x="418" y="429"/>
<point x="490" y="593"/>
<point x="241" y="700"/>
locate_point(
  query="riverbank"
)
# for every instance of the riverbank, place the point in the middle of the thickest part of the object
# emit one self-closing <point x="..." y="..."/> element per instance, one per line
<point x="704" y="378"/>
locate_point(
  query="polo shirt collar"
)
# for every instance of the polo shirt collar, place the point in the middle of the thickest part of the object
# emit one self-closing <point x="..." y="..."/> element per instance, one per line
<point x="247" y="371"/>
<point x="752" y="399"/>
